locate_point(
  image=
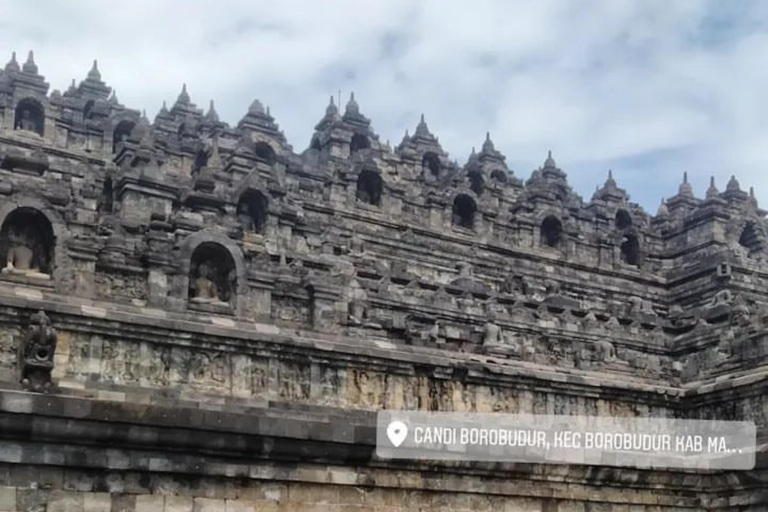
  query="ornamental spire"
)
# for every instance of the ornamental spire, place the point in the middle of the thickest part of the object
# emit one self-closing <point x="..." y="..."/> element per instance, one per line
<point x="733" y="185"/>
<point x="331" y="115"/>
<point x="663" y="211"/>
<point x="488" y="144"/>
<point x="183" y="95"/>
<point x="752" y="198"/>
<point x="331" y="110"/>
<point x="94" y="73"/>
<point x="256" y="107"/>
<point x="422" y="128"/>
<point x="12" y="65"/>
<point x="30" y="66"/>
<point x="549" y="163"/>
<point x="685" y="189"/>
<point x="212" y="115"/>
<point x="352" y="106"/>
<point x="712" y="190"/>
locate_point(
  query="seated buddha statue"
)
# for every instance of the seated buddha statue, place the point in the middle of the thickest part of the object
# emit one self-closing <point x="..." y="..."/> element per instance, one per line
<point x="21" y="256"/>
<point x="204" y="290"/>
<point x="26" y="122"/>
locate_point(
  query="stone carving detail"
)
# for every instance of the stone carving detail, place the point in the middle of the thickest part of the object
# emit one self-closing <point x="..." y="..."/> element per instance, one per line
<point x="356" y="306"/>
<point x="356" y="311"/>
<point x="19" y="254"/>
<point x="356" y="245"/>
<point x="637" y="306"/>
<point x="721" y="298"/>
<point x="493" y="333"/>
<point x="421" y="331"/>
<point x="720" y="307"/>
<point x="605" y="351"/>
<point x="203" y="287"/>
<point x="291" y="309"/>
<point x="208" y="369"/>
<point x="605" y="354"/>
<point x="740" y="315"/>
<point x="36" y="353"/>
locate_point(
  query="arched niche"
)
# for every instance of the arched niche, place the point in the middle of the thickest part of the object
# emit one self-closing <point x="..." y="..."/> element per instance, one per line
<point x="430" y="162"/>
<point x="630" y="250"/>
<point x="369" y="187"/>
<point x="476" y="182"/>
<point x="464" y="210"/>
<point x="499" y="176"/>
<point x="252" y="211"/>
<point x="121" y="133"/>
<point x="551" y="231"/>
<point x="201" y="160"/>
<point x="88" y="109"/>
<point x="750" y="237"/>
<point x="359" y="141"/>
<point x="623" y="219"/>
<point x="265" y="153"/>
<point x="29" y="116"/>
<point x="27" y="243"/>
<point x="212" y="275"/>
<point x="106" y="199"/>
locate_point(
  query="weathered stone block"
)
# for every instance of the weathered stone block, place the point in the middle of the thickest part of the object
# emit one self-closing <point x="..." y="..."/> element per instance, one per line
<point x="147" y="503"/>
<point x="32" y="500"/>
<point x="209" y="505"/>
<point x="97" y="502"/>
<point x="240" y="506"/>
<point x="123" y="503"/>
<point x="178" y="504"/>
<point x="8" y="499"/>
<point x="65" y="501"/>
<point x="77" y="481"/>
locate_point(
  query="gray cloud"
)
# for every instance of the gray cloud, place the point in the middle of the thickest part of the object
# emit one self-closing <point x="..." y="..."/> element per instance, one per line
<point x="650" y="89"/>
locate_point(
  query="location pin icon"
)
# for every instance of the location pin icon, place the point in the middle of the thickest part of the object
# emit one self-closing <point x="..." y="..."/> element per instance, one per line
<point x="397" y="431"/>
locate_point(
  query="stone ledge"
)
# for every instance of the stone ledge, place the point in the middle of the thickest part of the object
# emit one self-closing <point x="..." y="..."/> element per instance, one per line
<point x="323" y="484"/>
<point x="318" y="424"/>
<point x="276" y="434"/>
<point x="398" y="360"/>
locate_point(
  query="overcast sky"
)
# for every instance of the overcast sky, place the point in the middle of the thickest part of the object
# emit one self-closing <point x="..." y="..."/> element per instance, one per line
<point x="647" y="88"/>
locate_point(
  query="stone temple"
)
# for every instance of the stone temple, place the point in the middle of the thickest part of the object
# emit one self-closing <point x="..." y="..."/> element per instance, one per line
<point x="195" y="317"/>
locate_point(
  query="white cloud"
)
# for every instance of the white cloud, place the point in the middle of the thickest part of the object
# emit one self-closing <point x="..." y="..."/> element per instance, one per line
<point x="648" y="88"/>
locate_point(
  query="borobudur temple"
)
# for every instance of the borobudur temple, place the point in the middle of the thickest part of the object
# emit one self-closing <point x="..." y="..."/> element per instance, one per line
<point x="196" y="317"/>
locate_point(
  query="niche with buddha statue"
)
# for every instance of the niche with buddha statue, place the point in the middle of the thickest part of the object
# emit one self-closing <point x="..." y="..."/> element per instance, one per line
<point x="212" y="278"/>
<point x="27" y="245"/>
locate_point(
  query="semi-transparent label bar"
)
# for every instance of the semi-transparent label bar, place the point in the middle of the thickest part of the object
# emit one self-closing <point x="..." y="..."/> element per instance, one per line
<point x="553" y="439"/>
